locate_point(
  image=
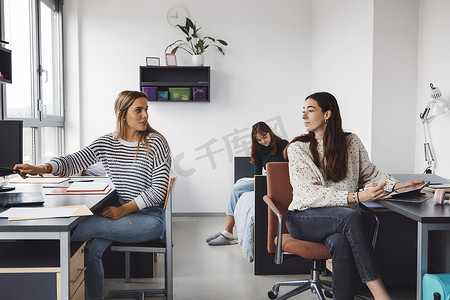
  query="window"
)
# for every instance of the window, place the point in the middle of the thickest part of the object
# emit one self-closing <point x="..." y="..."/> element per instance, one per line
<point x="35" y="94"/>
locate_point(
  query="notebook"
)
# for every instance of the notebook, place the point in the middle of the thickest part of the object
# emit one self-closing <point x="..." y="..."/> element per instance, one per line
<point x="20" y="199"/>
<point x="87" y="186"/>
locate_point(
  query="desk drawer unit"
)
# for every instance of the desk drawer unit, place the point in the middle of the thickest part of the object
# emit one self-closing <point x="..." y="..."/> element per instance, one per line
<point x="79" y="293"/>
<point x="30" y="270"/>
<point x="77" y="271"/>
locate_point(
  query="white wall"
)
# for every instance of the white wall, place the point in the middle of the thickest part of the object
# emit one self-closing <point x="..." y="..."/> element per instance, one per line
<point x="377" y="57"/>
<point x="265" y="74"/>
<point x="342" y="59"/>
<point x="434" y="67"/>
<point x="394" y="85"/>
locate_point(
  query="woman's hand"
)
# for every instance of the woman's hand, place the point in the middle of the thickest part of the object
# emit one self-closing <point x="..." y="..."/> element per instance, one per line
<point x="26" y="169"/>
<point x="117" y="212"/>
<point x="372" y="191"/>
<point x="113" y="212"/>
<point x="410" y="183"/>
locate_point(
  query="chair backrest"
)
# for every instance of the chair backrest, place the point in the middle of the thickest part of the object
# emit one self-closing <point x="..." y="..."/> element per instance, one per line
<point x="279" y="190"/>
<point x="172" y="178"/>
<point x="243" y="168"/>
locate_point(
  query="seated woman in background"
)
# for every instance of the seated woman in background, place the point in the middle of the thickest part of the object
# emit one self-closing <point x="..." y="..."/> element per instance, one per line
<point x="137" y="160"/>
<point x="327" y="167"/>
<point x="266" y="147"/>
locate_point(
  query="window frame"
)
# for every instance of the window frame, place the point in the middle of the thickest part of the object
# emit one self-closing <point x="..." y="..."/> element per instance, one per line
<point x="39" y="120"/>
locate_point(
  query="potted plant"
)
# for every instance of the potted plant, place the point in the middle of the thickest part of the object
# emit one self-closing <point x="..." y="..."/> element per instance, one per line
<point x="194" y="45"/>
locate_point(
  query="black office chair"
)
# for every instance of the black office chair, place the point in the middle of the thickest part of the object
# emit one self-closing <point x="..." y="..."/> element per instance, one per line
<point x="163" y="245"/>
<point x="282" y="244"/>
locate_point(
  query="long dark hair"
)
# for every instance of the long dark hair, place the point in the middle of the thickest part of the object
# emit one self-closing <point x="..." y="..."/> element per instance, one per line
<point x="335" y="146"/>
<point x="263" y="129"/>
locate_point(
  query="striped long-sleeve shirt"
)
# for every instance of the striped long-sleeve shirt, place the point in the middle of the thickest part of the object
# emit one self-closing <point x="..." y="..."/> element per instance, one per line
<point x="143" y="178"/>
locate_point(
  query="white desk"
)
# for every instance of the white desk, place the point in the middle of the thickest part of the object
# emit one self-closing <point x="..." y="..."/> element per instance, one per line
<point x="52" y="229"/>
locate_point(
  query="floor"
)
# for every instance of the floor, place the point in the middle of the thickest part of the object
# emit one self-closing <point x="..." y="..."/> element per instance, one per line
<point x="216" y="273"/>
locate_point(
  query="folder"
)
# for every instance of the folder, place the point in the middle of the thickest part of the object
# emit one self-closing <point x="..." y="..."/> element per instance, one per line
<point x="81" y="186"/>
<point x="64" y="191"/>
<point x="33" y="213"/>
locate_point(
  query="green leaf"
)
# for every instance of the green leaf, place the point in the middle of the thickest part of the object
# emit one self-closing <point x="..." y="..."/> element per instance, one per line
<point x="189" y="24"/>
<point x="201" y="46"/>
<point x="185" y="31"/>
<point x="194" y="44"/>
<point x="173" y="44"/>
<point x="221" y="50"/>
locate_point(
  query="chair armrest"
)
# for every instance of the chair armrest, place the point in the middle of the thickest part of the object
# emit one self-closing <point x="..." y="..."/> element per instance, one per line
<point x="271" y="205"/>
<point x="274" y="208"/>
<point x="377" y="224"/>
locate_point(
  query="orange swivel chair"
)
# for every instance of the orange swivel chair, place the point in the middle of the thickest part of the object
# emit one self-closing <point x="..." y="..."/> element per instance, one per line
<point x="281" y="243"/>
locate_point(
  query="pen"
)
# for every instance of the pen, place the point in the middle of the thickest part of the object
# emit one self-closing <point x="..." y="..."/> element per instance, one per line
<point x="8" y="169"/>
<point x="82" y="180"/>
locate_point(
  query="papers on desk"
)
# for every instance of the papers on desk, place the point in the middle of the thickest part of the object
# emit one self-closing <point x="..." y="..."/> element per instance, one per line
<point x="434" y="187"/>
<point x="32" y="213"/>
<point x="65" y="191"/>
<point x="39" y="179"/>
<point x="79" y="186"/>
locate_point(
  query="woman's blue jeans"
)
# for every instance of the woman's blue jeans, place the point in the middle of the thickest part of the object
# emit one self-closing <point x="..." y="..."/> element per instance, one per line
<point x="241" y="186"/>
<point x="343" y="232"/>
<point x="143" y="225"/>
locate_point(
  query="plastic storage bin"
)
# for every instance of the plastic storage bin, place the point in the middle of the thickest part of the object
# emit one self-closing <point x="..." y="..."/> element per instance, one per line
<point x="180" y="93"/>
<point x="200" y="93"/>
<point x="150" y="91"/>
<point x="436" y="287"/>
<point x="162" y="95"/>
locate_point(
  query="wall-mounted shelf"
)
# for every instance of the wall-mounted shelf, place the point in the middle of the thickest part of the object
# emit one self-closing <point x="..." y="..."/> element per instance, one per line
<point x="5" y="65"/>
<point x="175" y="84"/>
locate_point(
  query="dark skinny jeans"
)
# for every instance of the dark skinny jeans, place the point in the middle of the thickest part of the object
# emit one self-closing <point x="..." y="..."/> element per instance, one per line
<point x="342" y="231"/>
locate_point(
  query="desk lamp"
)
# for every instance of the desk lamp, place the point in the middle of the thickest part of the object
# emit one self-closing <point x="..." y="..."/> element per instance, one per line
<point x="436" y="106"/>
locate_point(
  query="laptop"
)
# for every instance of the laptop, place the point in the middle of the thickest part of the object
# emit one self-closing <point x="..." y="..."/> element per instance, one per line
<point x="20" y="199"/>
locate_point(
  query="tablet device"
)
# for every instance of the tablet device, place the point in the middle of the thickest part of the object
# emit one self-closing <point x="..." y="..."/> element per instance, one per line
<point x="407" y="191"/>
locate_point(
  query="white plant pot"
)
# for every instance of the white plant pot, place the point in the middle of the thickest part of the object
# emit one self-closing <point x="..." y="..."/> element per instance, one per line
<point x="198" y="60"/>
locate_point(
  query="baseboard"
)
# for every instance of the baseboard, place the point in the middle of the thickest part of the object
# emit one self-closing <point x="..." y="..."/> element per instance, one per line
<point x="199" y="214"/>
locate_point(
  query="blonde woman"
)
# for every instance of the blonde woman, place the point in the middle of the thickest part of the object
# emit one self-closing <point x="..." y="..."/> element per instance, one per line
<point x="137" y="160"/>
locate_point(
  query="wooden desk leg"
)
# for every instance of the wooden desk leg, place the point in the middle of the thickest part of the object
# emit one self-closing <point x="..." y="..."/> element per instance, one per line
<point x="64" y="249"/>
<point x="422" y="256"/>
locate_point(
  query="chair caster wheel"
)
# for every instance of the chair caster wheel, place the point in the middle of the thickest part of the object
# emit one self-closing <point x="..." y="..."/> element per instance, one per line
<point x="271" y="295"/>
<point x="328" y="294"/>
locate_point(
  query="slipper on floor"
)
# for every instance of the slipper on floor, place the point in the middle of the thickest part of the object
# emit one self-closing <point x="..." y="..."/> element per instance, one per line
<point x="221" y="240"/>
<point x="212" y="237"/>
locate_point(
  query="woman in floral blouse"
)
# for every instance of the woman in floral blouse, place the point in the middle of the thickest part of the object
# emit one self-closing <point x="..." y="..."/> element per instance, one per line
<point x="327" y="168"/>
